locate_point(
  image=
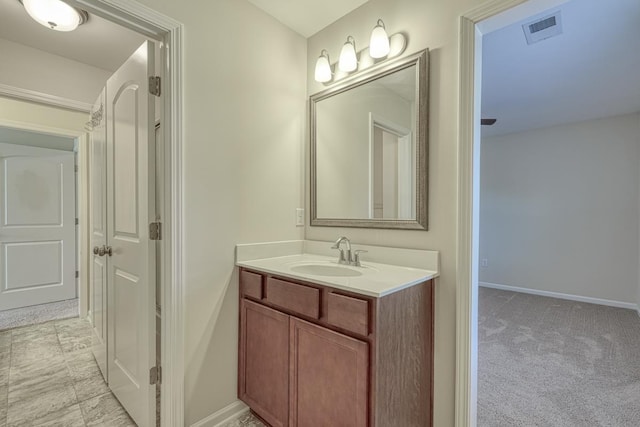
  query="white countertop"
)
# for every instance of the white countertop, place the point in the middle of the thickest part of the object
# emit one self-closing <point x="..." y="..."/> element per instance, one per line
<point x="376" y="279"/>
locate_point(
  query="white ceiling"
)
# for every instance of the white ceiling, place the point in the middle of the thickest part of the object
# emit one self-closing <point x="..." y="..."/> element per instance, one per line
<point x="307" y="17"/>
<point x="98" y="42"/>
<point x="590" y="71"/>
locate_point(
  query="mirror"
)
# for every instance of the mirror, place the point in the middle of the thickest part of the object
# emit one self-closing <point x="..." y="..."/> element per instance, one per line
<point x="369" y="148"/>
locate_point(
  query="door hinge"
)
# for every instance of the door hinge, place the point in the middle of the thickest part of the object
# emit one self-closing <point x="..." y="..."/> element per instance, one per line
<point x="155" y="231"/>
<point x="154" y="85"/>
<point x="77" y="274"/>
<point x="75" y="168"/>
<point x="155" y="375"/>
<point x="77" y="221"/>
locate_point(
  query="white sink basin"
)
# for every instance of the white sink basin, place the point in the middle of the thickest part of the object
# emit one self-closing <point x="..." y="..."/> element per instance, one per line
<point x="326" y="270"/>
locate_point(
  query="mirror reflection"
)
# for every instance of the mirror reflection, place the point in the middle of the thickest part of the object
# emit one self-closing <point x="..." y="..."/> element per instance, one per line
<point x="366" y="148"/>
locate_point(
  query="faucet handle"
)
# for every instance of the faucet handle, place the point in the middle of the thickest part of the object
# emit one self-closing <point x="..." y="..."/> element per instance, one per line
<point x="356" y="256"/>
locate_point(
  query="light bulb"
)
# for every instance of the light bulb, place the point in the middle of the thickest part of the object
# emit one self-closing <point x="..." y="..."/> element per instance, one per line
<point x="323" y="68"/>
<point x="379" y="44"/>
<point x="54" y="14"/>
<point x="348" y="61"/>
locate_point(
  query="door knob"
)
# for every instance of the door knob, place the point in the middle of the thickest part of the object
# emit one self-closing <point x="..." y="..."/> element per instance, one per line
<point x="102" y="251"/>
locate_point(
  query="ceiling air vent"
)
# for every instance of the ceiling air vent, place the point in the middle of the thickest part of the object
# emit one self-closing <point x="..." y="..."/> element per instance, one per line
<point x="543" y="28"/>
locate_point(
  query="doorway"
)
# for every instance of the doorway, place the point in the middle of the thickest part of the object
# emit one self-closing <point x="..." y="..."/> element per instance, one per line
<point x="159" y="27"/>
<point x="41" y="203"/>
<point x="473" y="26"/>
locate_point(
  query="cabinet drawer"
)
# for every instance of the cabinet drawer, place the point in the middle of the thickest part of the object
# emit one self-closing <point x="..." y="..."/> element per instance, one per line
<point x="298" y="298"/>
<point x="348" y="313"/>
<point x="250" y="284"/>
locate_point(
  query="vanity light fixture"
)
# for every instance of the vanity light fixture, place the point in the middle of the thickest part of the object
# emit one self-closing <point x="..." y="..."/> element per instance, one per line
<point x="381" y="47"/>
<point x="323" y="67"/>
<point x="55" y="14"/>
<point x="379" y="43"/>
<point x="348" y="61"/>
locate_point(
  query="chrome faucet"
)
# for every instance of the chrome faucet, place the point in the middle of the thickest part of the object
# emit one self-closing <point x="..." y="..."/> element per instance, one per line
<point x="343" y="258"/>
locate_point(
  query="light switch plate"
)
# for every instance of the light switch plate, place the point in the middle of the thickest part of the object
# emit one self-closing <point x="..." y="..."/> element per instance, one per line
<point x="299" y="217"/>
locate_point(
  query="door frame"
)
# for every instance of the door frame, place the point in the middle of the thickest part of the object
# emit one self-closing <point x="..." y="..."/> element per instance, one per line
<point x="472" y="25"/>
<point x="168" y="31"/>
<point x="404" y="158"/>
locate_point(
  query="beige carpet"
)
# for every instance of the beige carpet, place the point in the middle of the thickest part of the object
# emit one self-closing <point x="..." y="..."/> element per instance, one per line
<point x="550" y="362"/>
<point x="35" y="314"/>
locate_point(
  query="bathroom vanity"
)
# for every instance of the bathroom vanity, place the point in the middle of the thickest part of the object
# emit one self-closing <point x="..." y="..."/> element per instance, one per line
<point x="342" y="335"/>
<point x="324" y="344"/>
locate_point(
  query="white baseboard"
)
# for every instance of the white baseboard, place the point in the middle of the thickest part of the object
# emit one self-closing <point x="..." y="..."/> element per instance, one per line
<point x="571" y="297"/>
<point x="224" y="415"/>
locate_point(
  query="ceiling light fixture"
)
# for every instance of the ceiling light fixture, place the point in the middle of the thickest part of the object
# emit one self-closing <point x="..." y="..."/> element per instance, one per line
<point x="323" y="67"/>
<point x="348" y="61"/>
<point x="379" y="43"/>
<point x="55" y="14"/>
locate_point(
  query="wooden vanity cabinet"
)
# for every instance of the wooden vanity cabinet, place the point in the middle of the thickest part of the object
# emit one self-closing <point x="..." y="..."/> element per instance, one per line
<point x="315" y="356"/>
<point x="329" y="377"/>
<point x="265" y="373"/>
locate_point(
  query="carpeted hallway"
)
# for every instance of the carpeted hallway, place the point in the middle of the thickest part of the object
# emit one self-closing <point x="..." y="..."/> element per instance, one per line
<point x="550" y="362"/>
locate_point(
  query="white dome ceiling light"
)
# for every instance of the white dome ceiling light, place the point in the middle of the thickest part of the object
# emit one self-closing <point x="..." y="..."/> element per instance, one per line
<point x="55" y="14"/>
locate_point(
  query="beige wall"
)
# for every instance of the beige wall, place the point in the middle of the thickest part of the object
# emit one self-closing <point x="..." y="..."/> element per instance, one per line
<point x="244" y="121"/>
<point x="559" y="209"/>
<point x="433" y="25"/>
<point x="64" y="78"/>
<point x="14" y="112"/>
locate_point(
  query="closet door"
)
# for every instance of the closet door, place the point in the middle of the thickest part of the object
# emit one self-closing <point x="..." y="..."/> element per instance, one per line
<point x="131" y="253"/>
<point x="37" y="226"/>
<point x="98" y="271"/>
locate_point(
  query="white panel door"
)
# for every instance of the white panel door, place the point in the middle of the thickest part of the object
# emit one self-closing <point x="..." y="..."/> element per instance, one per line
<point x="37" y="226"/>
<point x="130" y="209"/>
<point x="98" y="213"/>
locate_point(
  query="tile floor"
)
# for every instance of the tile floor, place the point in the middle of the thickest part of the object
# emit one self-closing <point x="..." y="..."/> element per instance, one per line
<point x="247" y="420"/>
<point x="49" y="377"/>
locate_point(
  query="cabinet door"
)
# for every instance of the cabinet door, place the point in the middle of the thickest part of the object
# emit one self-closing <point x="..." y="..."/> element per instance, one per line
<point x="328" y="379"/>
<point x="264" y="362"/>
